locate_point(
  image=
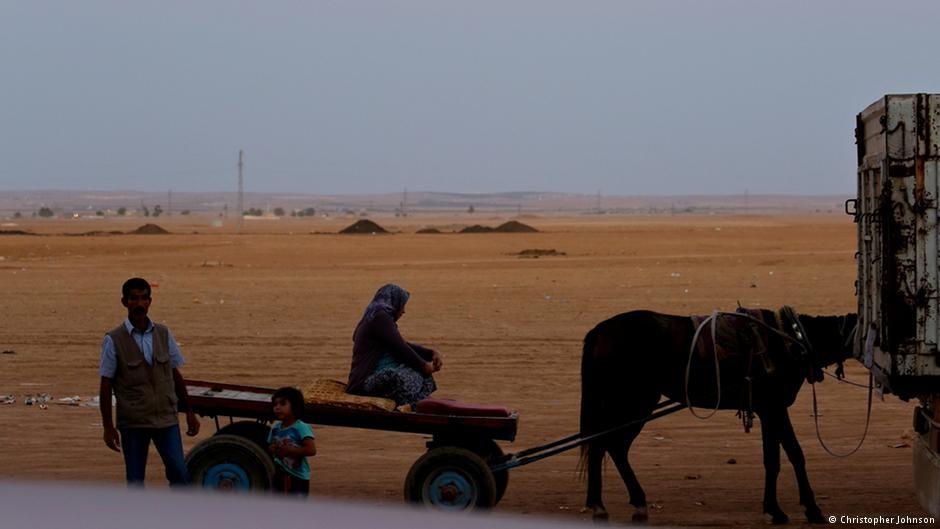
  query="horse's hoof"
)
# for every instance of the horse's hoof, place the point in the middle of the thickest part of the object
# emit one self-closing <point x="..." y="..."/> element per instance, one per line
<point x="778" y="517"/>
<point x="640" y="515"/>
<point x="814" y="515"/>
<point x="599" y="515"/>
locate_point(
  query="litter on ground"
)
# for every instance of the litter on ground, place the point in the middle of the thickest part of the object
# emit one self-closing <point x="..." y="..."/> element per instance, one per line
<point x="42" y="398"/>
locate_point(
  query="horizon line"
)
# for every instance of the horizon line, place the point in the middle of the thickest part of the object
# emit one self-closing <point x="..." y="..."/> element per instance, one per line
<point x="394" y="193"/>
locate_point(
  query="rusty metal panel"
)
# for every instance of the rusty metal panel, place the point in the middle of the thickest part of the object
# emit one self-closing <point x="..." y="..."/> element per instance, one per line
<point x="898" y="141"/>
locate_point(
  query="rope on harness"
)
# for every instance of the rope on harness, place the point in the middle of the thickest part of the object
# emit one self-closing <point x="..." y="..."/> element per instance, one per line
<point x="803" y="342"/>
<point x="871" y="386"/>
<point x="746" y="413"/>
<point x="861" y="441"/>
<point x="713" y="319"/>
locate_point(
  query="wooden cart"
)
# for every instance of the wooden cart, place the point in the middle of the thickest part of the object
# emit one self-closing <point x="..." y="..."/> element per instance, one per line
<point x="454" y="474"/>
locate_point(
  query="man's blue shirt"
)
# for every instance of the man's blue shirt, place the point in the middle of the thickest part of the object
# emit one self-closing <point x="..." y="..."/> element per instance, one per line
<point x="144" y="341"/>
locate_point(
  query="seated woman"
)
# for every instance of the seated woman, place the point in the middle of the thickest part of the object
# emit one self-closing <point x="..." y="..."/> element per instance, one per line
<point x="383" y="363"/>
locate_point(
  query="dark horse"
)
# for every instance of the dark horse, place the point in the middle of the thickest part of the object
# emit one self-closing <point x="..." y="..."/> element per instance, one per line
<point x="633" y="359"/>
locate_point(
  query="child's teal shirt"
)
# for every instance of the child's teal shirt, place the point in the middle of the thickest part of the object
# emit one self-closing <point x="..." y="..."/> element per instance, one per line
<point x="293" y="435"/>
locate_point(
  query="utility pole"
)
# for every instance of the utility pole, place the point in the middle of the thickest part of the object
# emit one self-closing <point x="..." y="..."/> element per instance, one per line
<point x="404" y="202"/>
<point x="598" y="201"/>
<point x="241" y="192"/>
<point x="747" y="200"/>
<point x="169" y="203"/>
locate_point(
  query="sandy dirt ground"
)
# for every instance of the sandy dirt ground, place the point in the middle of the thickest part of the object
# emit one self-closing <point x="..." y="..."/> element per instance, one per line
<point x="277" y="306"/>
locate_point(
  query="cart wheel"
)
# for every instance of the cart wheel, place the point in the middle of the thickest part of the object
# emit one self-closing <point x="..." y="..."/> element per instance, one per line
<point x="230" y="463"/>
<point x="256" y="432"/>
<point x="452" y="479"/>
<point x="492" y="453"/>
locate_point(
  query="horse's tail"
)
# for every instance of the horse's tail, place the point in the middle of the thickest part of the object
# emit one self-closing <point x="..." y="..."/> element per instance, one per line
<point x="590" y="399"/>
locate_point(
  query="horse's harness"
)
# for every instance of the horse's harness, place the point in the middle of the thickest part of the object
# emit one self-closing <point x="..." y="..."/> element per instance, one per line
<point x="786" y="321"/>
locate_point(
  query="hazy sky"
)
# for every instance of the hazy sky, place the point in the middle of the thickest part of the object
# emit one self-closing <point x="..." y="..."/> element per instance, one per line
<point x="664" y="97"/>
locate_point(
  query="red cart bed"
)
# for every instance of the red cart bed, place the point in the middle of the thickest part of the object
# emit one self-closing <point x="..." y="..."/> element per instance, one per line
<point x="216" y="399"/>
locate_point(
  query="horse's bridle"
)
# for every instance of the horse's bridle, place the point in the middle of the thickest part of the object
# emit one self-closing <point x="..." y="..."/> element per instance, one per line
<point x="791" y="323"/>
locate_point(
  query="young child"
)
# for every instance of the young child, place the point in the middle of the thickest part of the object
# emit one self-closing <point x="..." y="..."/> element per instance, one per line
<point x="290" y="442"/>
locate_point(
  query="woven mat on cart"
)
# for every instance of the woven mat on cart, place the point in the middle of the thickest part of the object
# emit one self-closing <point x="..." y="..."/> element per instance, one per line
<point x="333" y="393"/>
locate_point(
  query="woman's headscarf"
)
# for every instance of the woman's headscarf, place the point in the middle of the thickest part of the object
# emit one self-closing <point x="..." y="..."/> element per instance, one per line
<point x="389" y="298"/>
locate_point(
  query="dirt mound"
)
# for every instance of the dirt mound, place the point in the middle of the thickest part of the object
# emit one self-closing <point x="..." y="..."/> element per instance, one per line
<point x="476" y="228"/>
<point x="149" y="229"/>
<point x="428" y="230"/>
<point x="94" y="233"/>
<point x="15" y="232"/>
<point x="363" y="226"/>
<point x="514" y="226"/>
<point x="535" y="253"/>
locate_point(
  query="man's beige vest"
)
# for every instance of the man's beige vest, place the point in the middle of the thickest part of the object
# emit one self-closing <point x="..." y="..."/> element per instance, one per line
<point x="146" y="396"/>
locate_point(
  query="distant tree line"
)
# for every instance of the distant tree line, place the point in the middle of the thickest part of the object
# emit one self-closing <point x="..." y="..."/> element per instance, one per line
<point x="47" y="212"/>
<point x="306" y="212"/>
<point x="281" y="212"/>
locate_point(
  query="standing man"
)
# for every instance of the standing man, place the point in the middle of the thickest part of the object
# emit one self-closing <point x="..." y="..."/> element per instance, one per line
<point x="139" y="364"/>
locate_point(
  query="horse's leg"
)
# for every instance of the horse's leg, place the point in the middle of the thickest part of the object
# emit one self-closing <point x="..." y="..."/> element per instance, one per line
<point x="595" y="471"/>
<point x="770" y="427"/>
<point x="619" y="450"/>
<point x="795" y="454"/>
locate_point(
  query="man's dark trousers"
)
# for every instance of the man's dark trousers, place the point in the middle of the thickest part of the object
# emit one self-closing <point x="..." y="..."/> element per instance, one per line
<point x="135" y="443"/>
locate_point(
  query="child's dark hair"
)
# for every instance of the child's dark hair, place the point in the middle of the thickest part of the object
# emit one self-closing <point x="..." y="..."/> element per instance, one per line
<point x="294" y="397"/>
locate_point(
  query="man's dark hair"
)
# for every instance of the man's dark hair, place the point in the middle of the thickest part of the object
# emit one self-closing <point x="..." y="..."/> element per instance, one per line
<point x="134" y="283"/>
<point x="294" y="397"/>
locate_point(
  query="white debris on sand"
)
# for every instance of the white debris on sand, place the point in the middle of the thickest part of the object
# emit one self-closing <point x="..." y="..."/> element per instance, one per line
<point x="94" y="401"/>
<point x="42" y="398"/>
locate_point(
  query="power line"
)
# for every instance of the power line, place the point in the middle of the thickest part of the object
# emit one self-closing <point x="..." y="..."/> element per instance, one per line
<point x="241" y="192"/>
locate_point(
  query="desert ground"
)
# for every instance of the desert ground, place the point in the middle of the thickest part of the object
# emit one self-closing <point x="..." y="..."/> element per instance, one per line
<point x="276" y="305"/>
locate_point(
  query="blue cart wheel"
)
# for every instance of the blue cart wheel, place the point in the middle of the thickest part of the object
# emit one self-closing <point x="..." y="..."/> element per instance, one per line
<point x="450" y="489"/>
<point x="451" y="479"/>
<point x="229" y="463"/>
<point x="226" y="477"/>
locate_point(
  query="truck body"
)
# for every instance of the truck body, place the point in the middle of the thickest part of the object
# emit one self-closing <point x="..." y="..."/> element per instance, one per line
<point x="898" y="141"/>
